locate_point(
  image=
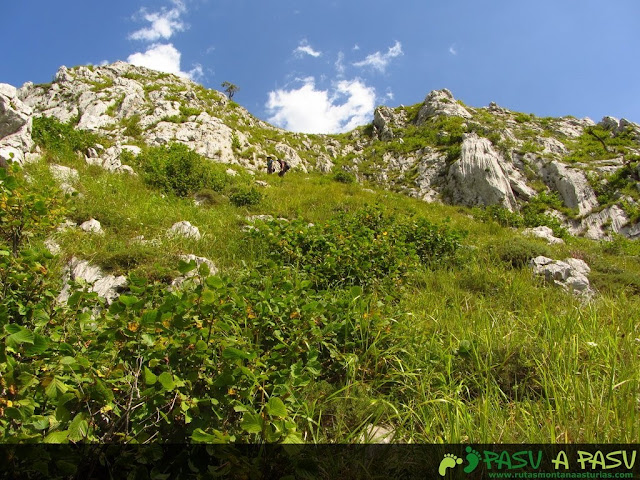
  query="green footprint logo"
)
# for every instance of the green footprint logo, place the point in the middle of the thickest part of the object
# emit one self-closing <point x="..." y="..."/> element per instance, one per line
<point x="449" y="461"/>
<point x="473" y="457"/>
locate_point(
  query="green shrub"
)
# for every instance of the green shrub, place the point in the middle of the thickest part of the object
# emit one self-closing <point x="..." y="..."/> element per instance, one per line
<point x="245" y="197"/>
<point x="363" y="248"/>
<point x="179" y="170"/>
<point x="517" y="252"/>
<point x="344" y="177"/>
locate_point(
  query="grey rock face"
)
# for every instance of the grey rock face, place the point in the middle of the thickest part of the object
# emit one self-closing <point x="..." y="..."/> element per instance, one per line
<point x="570" y="274"/>
<point x="571" y="184"/>
<point x="15" y="125"/>
<point x="324" y="163"/>
<point x="12" y="113"/>
<point x="573" y="127"/>
<point x="478" y="177"/>
<point x="595" y="226"/>
<point x="384" y="118"/>
<point x="441" y="102"/>
<point x="289" y="155"/>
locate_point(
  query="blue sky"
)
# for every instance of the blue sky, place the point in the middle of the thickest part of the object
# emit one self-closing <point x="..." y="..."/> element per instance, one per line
<point x="323" y="66"/>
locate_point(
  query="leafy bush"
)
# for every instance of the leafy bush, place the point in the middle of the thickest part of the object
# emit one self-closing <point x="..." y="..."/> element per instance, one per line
<point x="245" y="197"/>
<point x="220" y="361"/>
<point x="24" y="213"/>
<point x="518" y="251"/>
<point x="344" y="177"/>
<point x="179" y="170"/>
<point x="363" y="248"/>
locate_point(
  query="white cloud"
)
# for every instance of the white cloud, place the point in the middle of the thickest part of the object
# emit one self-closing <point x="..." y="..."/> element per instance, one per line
<point x="165" y="58"/>
<point x="305" y="49"/>
<point x="452" y="49"/>
<point x="340" y="64"/>
<point x="164" y="23"/>
<point x="309" y="110"/>
<point x="380" y="61"/>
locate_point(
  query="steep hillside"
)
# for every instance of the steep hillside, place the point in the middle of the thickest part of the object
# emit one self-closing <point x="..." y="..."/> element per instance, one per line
<point x="582" y="173"/>
<point x="419" y="279"/>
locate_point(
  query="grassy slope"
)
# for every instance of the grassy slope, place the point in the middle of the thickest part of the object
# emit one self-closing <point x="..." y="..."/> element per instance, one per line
<point x="484" y="351"/>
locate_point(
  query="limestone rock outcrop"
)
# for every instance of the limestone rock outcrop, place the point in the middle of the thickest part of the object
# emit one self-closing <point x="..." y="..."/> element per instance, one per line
<point x="15" y="125"/>
<point x="441" y="102"/>
<point x="478" y="177"/>
<point x="571" y="184"/>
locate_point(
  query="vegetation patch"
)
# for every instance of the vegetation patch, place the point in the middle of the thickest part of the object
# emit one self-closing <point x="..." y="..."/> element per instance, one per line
<point x="359" y="249"/>
<point x="179" y="170"/>
<point x="62" y="140"/>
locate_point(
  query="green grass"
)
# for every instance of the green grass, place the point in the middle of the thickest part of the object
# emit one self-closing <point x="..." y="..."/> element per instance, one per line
<point x="476" y="352"/>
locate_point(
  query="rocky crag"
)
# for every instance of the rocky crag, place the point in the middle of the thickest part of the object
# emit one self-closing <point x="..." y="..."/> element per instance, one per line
<point x="587" y="175"/>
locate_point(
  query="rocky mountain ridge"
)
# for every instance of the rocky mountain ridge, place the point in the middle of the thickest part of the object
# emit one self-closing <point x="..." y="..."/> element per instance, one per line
<point x="438" y="150"/>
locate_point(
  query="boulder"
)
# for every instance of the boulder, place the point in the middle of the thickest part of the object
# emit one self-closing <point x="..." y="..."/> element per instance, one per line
<point x="13" y="113"/>
<point x="609" y="123"/>
<point x="289" y="155"/>
<point x="108" y="287"/>
<point x="545" y="233"/>
<point x="632" y="127"/>
<point x="478" y="177"/>
<point x="92" y="226"/>
<point x="184" y="229"/>
<point x="595" y="226"/>
<point x="570" y="274"/>
<point x="324" y="163"/>
<point x="573" y="127"/>
<point x="377" y="434"/>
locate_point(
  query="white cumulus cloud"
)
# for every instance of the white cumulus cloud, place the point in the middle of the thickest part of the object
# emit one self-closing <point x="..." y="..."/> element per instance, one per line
<point x="164" y="23"/>
<point x="305" y="49"/>
<point x="453" y="50"/>
<point x="164" y="58"/>
<point x="379" y="61"/>
<point x="307" y="109"/>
